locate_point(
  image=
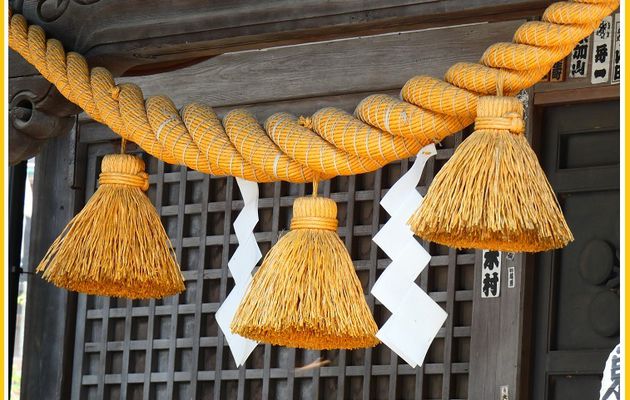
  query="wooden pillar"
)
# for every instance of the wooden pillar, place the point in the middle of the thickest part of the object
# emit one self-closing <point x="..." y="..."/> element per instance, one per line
<point x="50" y="313"/>
<point x="496" y="337"/>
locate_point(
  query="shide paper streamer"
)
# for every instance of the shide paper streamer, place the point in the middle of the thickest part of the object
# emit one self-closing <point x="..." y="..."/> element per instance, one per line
<point x="416" y="318"/>
<point x="241" y="265"/>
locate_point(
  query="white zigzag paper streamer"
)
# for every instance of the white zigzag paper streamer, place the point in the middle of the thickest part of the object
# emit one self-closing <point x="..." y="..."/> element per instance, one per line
<point x="241" y="265"/>
<point x="416" y="318"/>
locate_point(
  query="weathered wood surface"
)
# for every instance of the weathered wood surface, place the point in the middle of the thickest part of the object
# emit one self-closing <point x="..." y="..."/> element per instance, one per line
<point x="37" y="112"/>
<point x="19" y="67"/>
<point x="584" y="93"/>
<point x="50" y="312"/>
<point x="151" y="35"/>
<point x="359" y="65"/>
<point x="496" y="335"/>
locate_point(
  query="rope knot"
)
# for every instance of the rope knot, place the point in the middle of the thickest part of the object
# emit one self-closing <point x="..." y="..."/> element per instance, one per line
<point x="512" y="123"/>
<point x="123" y="169"/>
<point x="500" y="113"/>
<point x="314" y="213"/>
<point x="306" y="122"/>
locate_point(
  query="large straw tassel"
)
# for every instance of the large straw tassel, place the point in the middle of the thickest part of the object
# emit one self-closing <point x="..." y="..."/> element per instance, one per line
<point x="493" y="194"/>
<point x="306" y="293"/>
<point x="116" y="246"/>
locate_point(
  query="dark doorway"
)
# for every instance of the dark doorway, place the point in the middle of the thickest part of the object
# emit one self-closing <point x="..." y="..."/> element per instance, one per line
<point x="575" y="317"/>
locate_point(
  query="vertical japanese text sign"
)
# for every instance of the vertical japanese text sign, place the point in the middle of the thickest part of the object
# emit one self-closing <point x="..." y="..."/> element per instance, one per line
<point x="578" y="67"/>
<point x="602" y="52"/>
<point x="490" y="274"/>
<point x="616" y="69"/>
<point x="557" y="71"/>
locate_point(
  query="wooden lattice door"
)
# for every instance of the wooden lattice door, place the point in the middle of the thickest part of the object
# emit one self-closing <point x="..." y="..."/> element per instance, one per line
<point x="172" y="348"/>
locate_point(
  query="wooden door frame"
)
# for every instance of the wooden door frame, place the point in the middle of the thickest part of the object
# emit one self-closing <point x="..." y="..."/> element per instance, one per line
<point x="565" y="93"/>
<point x="50" y="311"/>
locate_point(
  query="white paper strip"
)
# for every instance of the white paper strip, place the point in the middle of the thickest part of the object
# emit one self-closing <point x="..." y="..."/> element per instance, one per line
<point x="241" y="266"/>
<point x="416" y="318"/>
<point x="611" y="381"/>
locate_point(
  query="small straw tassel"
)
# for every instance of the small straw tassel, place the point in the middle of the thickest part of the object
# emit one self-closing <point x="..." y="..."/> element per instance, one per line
<point x="116" y="246"/>
<point x="306" y="293"/>
<point x="493" y="194"/>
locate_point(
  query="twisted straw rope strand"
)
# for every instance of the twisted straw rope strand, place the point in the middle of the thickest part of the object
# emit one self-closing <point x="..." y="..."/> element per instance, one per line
<point x="330" y="143"/>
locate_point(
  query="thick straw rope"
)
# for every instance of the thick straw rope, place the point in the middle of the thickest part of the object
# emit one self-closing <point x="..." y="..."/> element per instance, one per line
<point x="330" y="143"/>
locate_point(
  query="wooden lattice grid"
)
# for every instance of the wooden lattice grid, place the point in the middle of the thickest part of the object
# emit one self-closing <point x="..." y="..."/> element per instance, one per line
<point x="127" y="349"/>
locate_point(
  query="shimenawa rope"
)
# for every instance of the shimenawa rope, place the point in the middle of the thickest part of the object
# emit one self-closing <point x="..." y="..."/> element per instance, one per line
<point x="333" y="142"/>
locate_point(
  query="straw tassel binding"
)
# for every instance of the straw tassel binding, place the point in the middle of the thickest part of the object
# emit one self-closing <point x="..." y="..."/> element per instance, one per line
<point x="306" y="293"/>
<point x="116" y="246"/>
<point x="493" y="194"/>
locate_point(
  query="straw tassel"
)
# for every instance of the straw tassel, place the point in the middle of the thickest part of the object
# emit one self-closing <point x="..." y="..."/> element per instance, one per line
<point x="306" y="293"/>
<point x="116" y="246"/>
<point x="493" y="194"/>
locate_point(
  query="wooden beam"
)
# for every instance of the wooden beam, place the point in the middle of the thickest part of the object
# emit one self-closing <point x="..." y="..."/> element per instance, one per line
<point x="359" y="65"/>
<point x="19" y="67"/>
<point x="577" y="94"/>
<point x="138" y="37"/>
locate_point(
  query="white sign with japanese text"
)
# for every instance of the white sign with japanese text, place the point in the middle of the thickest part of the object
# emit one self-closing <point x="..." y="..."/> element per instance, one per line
<point x="490" y="274"/>
<point x="602" y="52"/>
<point x="578" y="67"/>
<point x="616" y="58"/>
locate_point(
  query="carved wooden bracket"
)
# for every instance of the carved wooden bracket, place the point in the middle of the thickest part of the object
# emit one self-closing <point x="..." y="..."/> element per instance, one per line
<point x="37" y="112"/>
